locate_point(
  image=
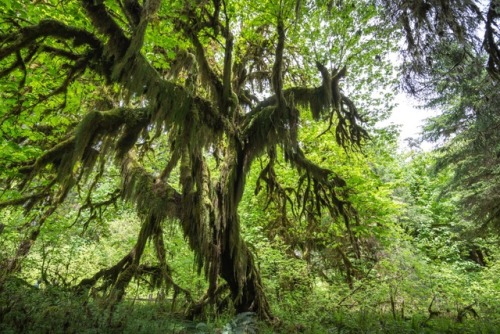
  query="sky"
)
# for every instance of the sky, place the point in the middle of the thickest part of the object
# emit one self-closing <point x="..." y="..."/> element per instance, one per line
<point x="410" y="118"/>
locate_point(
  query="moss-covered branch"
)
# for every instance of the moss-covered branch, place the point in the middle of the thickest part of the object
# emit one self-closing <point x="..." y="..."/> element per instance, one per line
<point x="169" y="103"/>
<point x="277" y="75"/>
<point x="53" y="201"/>
<point x="208" y="75"/>
<point x="155" y="201"/>
<point x="266" y="124"/>
<point x="27" y="36"/>
<point x="95" y="126"/>
<point x="152" y="196"/>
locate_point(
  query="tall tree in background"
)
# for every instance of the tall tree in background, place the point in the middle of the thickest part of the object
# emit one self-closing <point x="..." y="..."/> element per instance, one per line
<point x="206" y="87"/>
<point x="428" y="26"/>
<point x="452" y="61"/>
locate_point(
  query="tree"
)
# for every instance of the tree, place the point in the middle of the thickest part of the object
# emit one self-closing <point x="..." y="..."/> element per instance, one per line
<point x="184" y="89"/>
<point x="467" y="128"/>
<point x="452" y="62"/>
<point x="428" y="25"/>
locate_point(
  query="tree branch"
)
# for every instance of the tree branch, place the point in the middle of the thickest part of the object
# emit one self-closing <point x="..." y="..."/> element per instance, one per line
<point x="227" y="75"/>
<point x="277" y="74"/>
<point x="28" y="35"/>
<point x="170" y="103"/>
<point x="100" y="123"/>
<point x="208" y="74"/>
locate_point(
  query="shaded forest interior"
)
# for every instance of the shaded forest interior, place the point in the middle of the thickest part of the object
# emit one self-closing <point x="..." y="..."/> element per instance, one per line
<point x="219" y="166"/>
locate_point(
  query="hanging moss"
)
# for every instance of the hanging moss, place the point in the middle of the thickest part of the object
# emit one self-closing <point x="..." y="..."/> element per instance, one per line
<point x="198" y="111"/>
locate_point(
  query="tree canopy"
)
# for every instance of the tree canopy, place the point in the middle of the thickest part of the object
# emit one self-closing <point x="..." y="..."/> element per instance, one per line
<point x="237" y="124"/>
<point x="451" y="61"/>
<point x="204" y="88"/>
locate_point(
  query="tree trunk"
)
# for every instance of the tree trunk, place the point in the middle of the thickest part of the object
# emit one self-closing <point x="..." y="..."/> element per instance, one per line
<point x="237" y="266"/>
<point x="239" y="270"/>
<point x="211" y="223"/>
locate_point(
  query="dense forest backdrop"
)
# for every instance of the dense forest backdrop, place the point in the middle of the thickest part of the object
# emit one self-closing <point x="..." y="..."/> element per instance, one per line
<point x="197" y="166"/>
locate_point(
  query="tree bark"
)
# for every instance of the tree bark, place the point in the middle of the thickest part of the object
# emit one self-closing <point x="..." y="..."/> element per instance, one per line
<point x="239" y="270"/>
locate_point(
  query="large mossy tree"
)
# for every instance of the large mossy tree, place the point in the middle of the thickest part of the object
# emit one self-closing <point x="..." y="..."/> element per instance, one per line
<point x="207" y="87"/>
